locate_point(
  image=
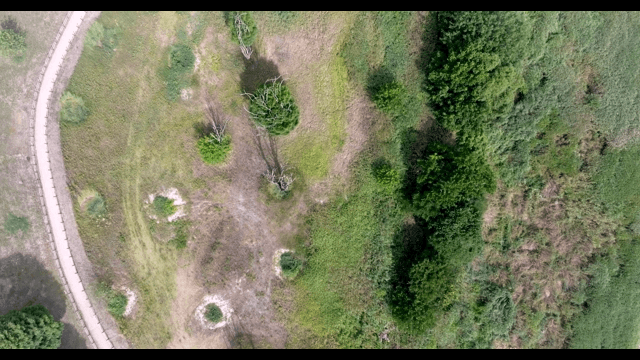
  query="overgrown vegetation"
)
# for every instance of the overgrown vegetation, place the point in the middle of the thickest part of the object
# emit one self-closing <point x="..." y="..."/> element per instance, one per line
<point x="72" y="108"/>
<point x="31" y="327"/>
<point x="12" y="38"/>
<point x="98" y="36"/>
<point x="14" y="223"/>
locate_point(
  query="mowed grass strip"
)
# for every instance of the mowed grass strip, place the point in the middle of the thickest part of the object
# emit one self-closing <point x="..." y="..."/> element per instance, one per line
<point x="133" y="143"/>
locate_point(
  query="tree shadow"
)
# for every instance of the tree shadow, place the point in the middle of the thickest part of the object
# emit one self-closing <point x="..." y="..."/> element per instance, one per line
<point x="24" y="281"/>
<point x="257" y="71"/>
<point x="409" y="247"/>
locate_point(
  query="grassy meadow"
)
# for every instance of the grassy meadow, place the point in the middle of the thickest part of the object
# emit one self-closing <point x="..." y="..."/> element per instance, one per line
<point x="544" y="255"/>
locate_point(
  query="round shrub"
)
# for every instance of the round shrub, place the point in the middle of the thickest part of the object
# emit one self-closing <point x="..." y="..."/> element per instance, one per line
<point x="248" y="32"/>
<point x="213" y="151"/>
<point x="290" y="264"/>
<point x="163" y="206"/>
<point x="273" y="107"/>
<point x="213" y="313"/>
<point x="72" y="109"/>
<point x="389" y="98"/>
<point x="33" y="327"/>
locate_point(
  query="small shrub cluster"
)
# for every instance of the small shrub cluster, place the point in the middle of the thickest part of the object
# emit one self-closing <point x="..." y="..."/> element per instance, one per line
<point x="73" y="109"/>
<point x="178" y="74"/>
<point x="290" y="264"/>
<point x="274" y="108"/>
<point x="163" y="206"/>
<point x="242" y="34"/>
<point x="213" y="313"/>
<point x="116" y="301"/>
<point x="32" y="327"/>
<point x="13" y="224"/>
<point x="181" y="228"/>
<point x="213" y="151"/>
<point x="12" y="38"/>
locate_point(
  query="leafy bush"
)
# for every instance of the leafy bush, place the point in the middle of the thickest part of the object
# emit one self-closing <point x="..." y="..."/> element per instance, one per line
<point x="275" y="191"/>
<point x="12" y="38"/>
<point x="248" y="32"/>
<point x="386" y="176"/>
<point x="500" y="311"/>
<point x="213" y="313"/>
<point x="32" y="327"/>
<point x="177" y="75"/>
<point x="96" y="206"/>
<point x="163" y="206"/>
<point x="212" y="151"/>
<point x="389" y="98"/>
<point x="449" y="175"/>
<point x="13" y="224"/>
<point x="72" y="109"/>
<point x="273" y="107"/>
<point x="290" y="264"/>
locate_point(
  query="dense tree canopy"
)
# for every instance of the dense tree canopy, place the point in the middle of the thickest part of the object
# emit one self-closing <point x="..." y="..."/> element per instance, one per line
<point x="30" y="328"/>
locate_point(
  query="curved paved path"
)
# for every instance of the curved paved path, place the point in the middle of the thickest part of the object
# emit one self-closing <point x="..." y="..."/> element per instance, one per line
<point x="46" y="179"/>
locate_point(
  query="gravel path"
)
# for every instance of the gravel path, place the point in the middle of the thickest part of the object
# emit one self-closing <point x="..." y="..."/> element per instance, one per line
<point x="91" y="321"/>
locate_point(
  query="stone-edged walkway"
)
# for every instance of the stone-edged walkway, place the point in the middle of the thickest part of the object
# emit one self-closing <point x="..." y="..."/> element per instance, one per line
<point x="58" y="232"/>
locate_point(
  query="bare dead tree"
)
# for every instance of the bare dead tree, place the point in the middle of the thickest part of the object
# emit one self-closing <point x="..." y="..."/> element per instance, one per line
<point x="217" y="119"/>
<point x="242" y="29"/>
<point x="276" y="171"/>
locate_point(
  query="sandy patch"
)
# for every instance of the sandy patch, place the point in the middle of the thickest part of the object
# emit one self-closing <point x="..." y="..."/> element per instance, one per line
<point x="131" y="300"/>
<point x="221" y="303"/>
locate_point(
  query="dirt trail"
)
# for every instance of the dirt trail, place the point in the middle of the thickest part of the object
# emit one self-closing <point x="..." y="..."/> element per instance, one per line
<point x="58" y="231"/>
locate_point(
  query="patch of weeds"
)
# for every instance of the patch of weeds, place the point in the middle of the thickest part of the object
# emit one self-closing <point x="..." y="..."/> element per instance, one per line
<point x="177" y="74"/>
<point x="13" y="224"/>
<point x="251" y="276"/>
<point x="385" y="175"/>
<point x="116" y="301"/>
<point x="163" y="206"/>
<point x="290" y="264"/>
<point x="213" y="313"/>
<point x="259" y="293"/>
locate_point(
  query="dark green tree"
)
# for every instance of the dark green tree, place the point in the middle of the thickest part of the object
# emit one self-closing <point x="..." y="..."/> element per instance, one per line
<point x="33" y="327"/>
<point x="274" y="108"/>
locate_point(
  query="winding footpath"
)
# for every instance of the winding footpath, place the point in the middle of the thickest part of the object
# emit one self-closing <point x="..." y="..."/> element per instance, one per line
<point x="70" y="274"/>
